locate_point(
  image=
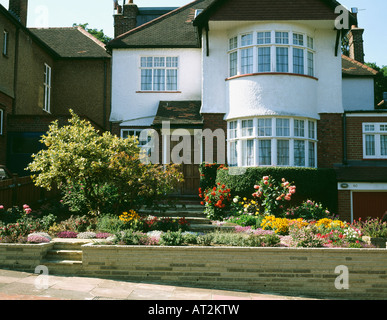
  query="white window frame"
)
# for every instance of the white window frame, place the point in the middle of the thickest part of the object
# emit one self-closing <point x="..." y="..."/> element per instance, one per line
<point x="295" y="40"/>
<point x="379" y="130"/>
<point x="268" y="132"/>
<point x="1" y="121"/>
<point x="5" y="42"/>
<point x="47" y="88"/>
<point x="165" y="68"/>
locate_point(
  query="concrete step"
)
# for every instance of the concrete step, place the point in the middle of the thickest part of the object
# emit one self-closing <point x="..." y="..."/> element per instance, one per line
<point x="63" y="267"/>
<point x="73" y="255"/>
<point x="69" y="244"/>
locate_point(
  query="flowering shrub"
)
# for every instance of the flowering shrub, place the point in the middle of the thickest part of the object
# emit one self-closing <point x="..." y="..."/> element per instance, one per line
<point x="308" y="210"/>
<point x="272" y="196"/>
<point x="67" y="234"/>
<point x="103" y="235"/>
<point x="216" y="200"/>
<point x="281" y="225"/>
<point x="17" y="232"/>
<point x="86" y="235"/>
<point x="372" y="227"/>
<point x="38" y="237"/>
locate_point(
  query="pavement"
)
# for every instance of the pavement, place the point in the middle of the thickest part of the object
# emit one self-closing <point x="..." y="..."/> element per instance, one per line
<point x="16" y="285"/>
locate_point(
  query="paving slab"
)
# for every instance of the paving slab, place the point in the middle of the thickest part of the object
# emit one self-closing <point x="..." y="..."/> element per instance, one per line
<point x="16" y="285"/>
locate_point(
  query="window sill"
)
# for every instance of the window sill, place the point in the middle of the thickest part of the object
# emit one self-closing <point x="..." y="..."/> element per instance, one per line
<point x="158" y="91"/>
<point x="272" y="74"/>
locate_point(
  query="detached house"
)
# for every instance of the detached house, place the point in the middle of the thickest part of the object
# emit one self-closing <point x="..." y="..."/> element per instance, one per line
<point x="270" y="74"/>
<point x="43" y="73"/>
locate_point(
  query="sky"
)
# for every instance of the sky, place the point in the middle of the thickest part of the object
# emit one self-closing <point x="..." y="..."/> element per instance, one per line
<point x="99" y="15"/>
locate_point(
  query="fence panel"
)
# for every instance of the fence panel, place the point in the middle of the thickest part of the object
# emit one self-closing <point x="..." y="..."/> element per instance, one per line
<point x="21" y="190"/>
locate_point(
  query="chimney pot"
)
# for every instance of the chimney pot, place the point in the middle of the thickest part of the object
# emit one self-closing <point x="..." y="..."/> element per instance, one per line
<point x="125" y="19"/>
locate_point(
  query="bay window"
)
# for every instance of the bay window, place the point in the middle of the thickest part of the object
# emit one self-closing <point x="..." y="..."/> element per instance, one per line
<point x="272" y="141"/>
<point x="271" y="51"/>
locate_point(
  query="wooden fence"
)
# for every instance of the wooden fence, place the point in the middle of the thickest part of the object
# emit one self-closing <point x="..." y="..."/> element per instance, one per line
<point x="21" y="190"/>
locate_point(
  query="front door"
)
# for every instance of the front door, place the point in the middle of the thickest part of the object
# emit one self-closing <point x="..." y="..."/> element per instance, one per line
<point x="190" y="168"/>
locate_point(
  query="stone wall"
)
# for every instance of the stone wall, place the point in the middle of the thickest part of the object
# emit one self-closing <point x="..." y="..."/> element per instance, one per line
<point x="303" y="271"/>
<point x="24" y="257"/>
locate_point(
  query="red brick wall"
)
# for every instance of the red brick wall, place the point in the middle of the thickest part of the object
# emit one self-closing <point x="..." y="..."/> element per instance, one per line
<point x="215" y="121"/>
<point x="330" y="139"/>
<point x="344" y="205"/>
<point x="355" y="135"/>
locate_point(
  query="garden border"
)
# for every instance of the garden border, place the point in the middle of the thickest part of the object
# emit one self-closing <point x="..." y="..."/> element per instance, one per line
<point x="309" y="272"/>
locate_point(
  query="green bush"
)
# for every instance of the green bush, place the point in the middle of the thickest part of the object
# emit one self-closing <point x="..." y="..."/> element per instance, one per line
<point x="171" y="238"/>
<point x="319" y="185"/>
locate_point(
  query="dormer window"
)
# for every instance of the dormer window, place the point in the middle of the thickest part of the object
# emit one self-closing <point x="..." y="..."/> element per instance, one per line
<point x="271" y="51"/>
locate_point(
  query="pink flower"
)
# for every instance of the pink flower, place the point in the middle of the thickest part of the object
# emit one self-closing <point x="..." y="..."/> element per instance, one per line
<point x="27" y="210"/>
<point x="266" y="178"/>
<point x="256" y="187"/>
<point x="1" y="207"/>
<point x="265" y="182"/>
<point x="25" y="206"/>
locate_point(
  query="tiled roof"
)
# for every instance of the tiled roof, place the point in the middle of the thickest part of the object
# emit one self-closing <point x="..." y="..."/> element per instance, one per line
<point x="73" y="42"/>
<point x="352" y="67"/>
<point x="179" y="113"/>
<point x="172" y="30"/>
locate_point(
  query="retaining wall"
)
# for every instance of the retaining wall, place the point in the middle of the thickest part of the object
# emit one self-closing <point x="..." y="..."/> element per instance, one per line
<point x="24" y="257"/>
<point x="303" y="271"/>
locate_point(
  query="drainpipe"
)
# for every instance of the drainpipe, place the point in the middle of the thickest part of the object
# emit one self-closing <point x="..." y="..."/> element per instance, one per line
<point x="104" y="93"/>
<point x="15" y="70"/>
<point x="345" y="162"/>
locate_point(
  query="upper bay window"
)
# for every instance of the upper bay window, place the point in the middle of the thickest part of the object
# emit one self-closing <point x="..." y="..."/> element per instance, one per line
<point x="271" y="51"/>
<point x="159" y="73"/>
<point x="274" y="141"/>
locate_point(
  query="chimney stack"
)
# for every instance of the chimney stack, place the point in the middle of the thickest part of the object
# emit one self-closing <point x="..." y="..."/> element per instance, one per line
<point x="356" y="43"/>
<point x="125" y="19"/>
<point x="19" y="10"/>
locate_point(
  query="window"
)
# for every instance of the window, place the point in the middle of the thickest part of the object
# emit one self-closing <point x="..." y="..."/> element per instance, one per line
<point x="298" y="61"/>
<point x="273" y="141"/>
<point x="282" y="37"/>
<point x="5" y="42"/>
<point x="144" y="145"/>
<point x="375" y="140"/>
<point x="1" y="121"/>
<point x="263" y="37"/>
<point x="159" y="73"/>
<point x="264" y="59"/>
<point x="271" y="51"/>
<point x="47" y="88"/>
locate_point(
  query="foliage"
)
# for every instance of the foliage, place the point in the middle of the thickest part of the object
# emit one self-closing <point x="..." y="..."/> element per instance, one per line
<point x="308" y="210"/>
<point x="216" y="201"/>
<point x="273" y="196"/>
<point x="246" y="220"/>
<point x="172" y="238"/>
<point x="208" y="173"/>
<point x="305" y="237"/>
<point x="130" y="237"/>
<point x="375" y="227"/>
<point x="96" y="172"/>
<point x="317" y="184"/>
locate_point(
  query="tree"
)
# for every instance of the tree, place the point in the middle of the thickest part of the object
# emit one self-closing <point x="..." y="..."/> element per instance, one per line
<point x="99" y="34"/>
<point x="99" y="173"/>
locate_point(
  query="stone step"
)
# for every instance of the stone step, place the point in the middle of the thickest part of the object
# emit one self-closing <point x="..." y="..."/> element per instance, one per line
<point x="173" y="213"/>
<point x="63" y="267"/>
<point x="73" y="255"/>
<point x="69" y="244"/>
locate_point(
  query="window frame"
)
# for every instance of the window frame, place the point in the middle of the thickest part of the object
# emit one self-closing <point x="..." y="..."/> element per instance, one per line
<point x="5" y="43"/>
<point x="267" y="141"/>
<point x="279" y="60"/>
<point x="155" y="68"/>
<point x="377" y="132"/>
<point x="1" y="121"/>
<point x="47" y="84"/>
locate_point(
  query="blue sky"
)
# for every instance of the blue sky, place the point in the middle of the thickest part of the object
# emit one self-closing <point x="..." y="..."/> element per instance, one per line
<point x="98" y="13"/>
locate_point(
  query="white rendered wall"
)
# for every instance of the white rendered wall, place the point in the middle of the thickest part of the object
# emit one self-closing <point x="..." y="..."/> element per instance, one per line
<point x="128" y="103"/>
<point x="271" y="94"/>
<point x="358" y="94"/>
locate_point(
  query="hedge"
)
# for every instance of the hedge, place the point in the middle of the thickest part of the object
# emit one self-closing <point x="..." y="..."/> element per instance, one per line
<point x="319" y="185"/>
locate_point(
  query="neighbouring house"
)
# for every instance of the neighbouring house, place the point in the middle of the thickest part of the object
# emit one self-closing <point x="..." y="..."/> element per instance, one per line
<point x="43" y="73"/>
<point x="270" y="74"/>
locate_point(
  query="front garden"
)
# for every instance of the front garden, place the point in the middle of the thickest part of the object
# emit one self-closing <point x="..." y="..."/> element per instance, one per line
<point x="105" y="181"/>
